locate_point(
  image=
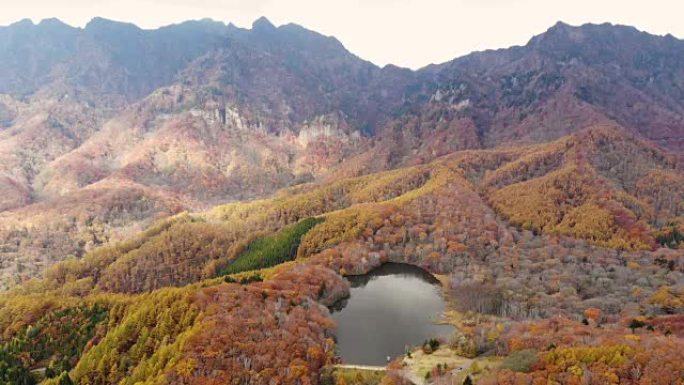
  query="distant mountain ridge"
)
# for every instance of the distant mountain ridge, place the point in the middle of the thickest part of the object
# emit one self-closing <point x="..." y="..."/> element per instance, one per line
<point x="625" y="75"/>
<point x="107" y="127"/>
<point x="619" y="72"/>
<point x="564" y="79"/>
<point x="105" y="61"/>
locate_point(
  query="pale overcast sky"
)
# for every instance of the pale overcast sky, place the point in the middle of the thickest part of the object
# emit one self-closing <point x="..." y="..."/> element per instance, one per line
<point x="410" y="33"/>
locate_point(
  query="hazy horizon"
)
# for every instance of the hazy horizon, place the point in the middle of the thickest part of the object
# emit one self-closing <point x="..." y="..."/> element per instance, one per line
<point x="407" y="33"/>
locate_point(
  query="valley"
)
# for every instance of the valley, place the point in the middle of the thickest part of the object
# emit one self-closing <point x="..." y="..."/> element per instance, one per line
<point x="261" y="206"/>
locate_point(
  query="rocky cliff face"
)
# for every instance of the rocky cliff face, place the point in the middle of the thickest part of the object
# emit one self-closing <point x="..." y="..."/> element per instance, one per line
<point x="565" y="79"/>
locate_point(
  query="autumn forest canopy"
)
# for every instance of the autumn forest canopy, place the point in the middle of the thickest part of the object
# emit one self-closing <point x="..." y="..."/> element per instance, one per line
<point x="182" y="205"/>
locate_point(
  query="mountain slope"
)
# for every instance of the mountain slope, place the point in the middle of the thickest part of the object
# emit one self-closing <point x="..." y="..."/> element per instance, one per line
<point x="259" y="110"/>
<point x="104" y="63"/>
<point x="590" y="186"/>
<point x="574" y="187"/>
<point x="563" y="80"/>
<point x="436" y="215"/>
<point x="201" y="113"/>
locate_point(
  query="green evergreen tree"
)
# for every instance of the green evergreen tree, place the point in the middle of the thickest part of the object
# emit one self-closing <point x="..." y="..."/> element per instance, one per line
<point x="64" y="379"/>
<point x="636" y="324"/>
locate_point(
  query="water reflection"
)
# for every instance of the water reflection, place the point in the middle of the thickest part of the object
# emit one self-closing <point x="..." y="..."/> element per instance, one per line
<point x="389" y="308"/>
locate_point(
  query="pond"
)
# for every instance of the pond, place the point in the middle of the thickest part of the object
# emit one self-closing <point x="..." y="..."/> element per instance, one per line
<point x="390" y="308"/>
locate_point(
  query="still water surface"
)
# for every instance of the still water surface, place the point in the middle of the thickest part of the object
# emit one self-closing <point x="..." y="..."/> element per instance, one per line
<point x="389" y="308"/>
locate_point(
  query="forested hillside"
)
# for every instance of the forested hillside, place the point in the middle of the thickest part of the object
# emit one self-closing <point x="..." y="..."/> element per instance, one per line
<point x="522" y="235"/>
<point x="108" y="128"/>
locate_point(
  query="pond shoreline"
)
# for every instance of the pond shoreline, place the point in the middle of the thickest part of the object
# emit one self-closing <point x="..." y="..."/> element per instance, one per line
<point x="389" y="310"/>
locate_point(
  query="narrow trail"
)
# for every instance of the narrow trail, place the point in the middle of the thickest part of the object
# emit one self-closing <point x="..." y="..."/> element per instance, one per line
<point x="361" y="367"/>
<point x="406" y="373"/>
<point x="413" y="377"/>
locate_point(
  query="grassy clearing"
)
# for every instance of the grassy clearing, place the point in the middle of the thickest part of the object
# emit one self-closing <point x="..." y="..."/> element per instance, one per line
<point x="421" y="363"/>
<point x="272" y="250"/>
<point x="458" y="366"/>
<point x="335" y="375"/>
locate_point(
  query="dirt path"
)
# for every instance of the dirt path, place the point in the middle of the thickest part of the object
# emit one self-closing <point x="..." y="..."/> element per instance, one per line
<point x="413" y="377"/>
<point x="361" y="367"/>
<point x="420" y="363"/>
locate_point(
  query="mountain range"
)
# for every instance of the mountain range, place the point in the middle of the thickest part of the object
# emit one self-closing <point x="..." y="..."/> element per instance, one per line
<point x="109" y="126"/>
